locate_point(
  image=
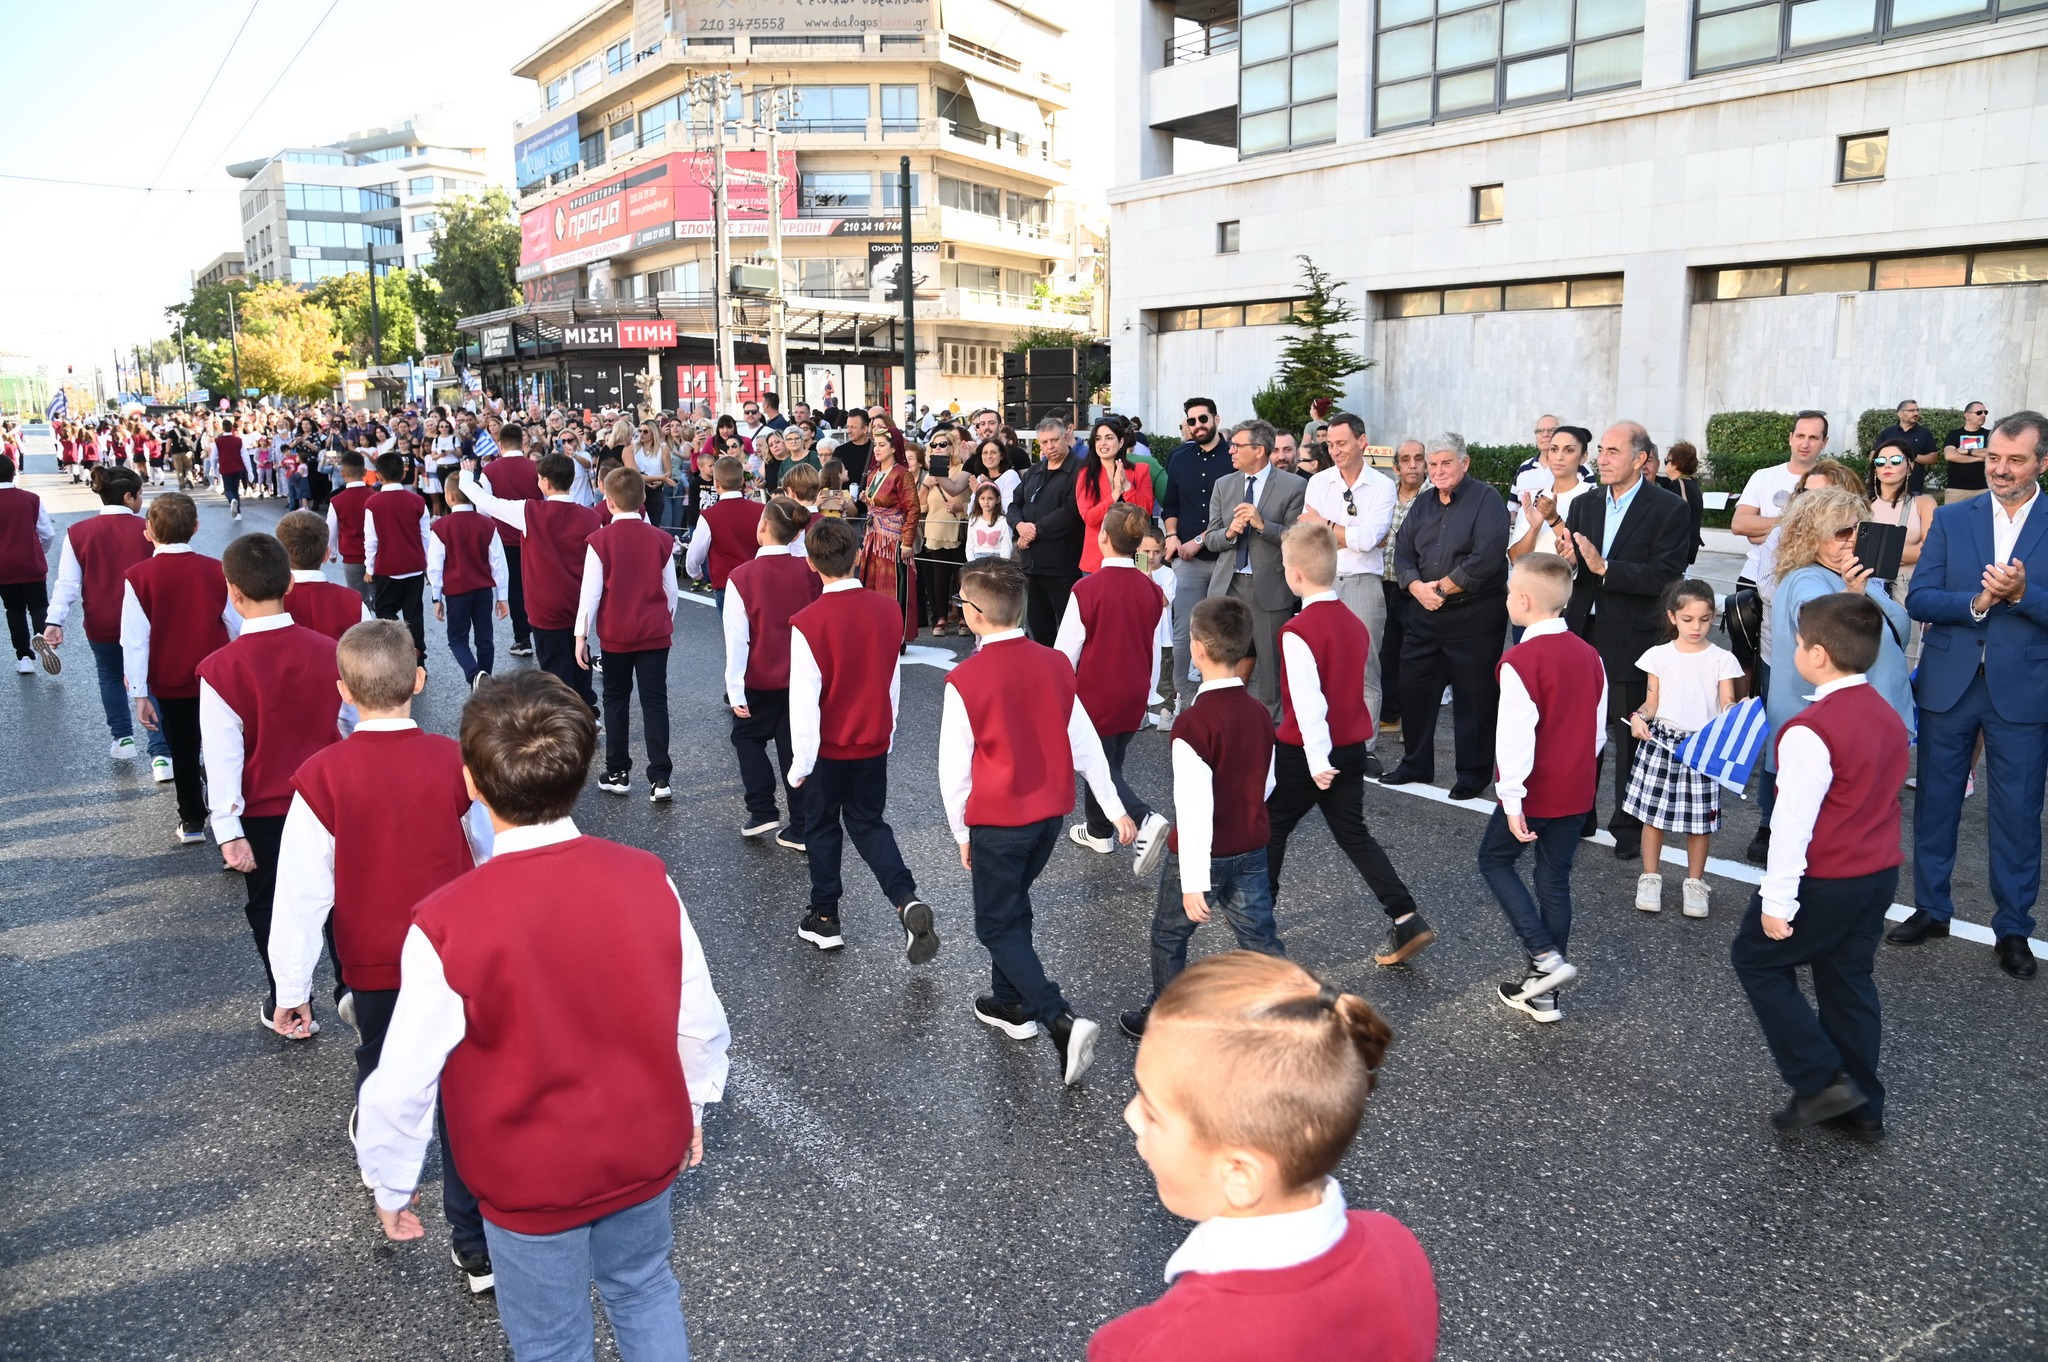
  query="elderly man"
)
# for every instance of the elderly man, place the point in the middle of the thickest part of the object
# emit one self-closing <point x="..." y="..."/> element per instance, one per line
<point x="1192" y="472"/>
<point x="1981" y="675"/>
<point x="1250" y="511"/>
<point x="1451" y="557"/>
<point x="1626" y="546"/>
<point x="1048" y="529"/>
<point x="1546" y="426"/>
<point x="1409" y="476"/>
<point x="1357" y="503"/>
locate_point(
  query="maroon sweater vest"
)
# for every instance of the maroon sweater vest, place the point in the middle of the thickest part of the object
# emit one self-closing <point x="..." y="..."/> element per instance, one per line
<point x="632" y="610"/>
<point x="513" y="477"/>
<point x="1019" y="696"/>
<point x="280" y="683"/>
<point x="773" y="589"/>
<point x="466" y="558"/>
<point x="1340" y="644"/>
<point x="21" y="553"/>
<point x="183" y="595"/>
<point x="1120" y="609"/>
<point x="324" y="607"/>
<point x="1857" y="830"/>
<point x="106" y="546"/>
<point x="227" y="453"/>
<point x="853" y="636"/>
<point x="734" y="529"/>
<point x="1563" y="675"/>
<point x="393" y="802"/>
<point x="400" y="550"/>
<point x="551" y="563"/>
<point x="566" y="1093"/>
<point x="347" y="505"/>
<point x="1231" y="731"/>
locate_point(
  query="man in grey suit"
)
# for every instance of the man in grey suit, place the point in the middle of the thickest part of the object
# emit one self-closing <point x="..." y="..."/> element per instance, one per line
<point x="1250" y="511"/>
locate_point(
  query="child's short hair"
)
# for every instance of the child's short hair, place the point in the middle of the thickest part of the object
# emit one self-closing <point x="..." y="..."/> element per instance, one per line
<point x="1287" y="1062"/>
<point x="624" y="488"/>
<point x="1548" y="579"/>
<point x="304" y="536"/>
<point x="1685" y="591"/>
<point x="729" y="473"/>
<point x="558" y="469"/>
<point x="451" y="488"/>
<point x="116" y="485"/>
<point x="378" y="663"/>
<point x="1847" y="624"/>
<point x="391" y="467"/>
<point x="351" y="462"/>
<point x="512" y="435"/>
<point x="1223" y="625"/>
<point x="173" y="518"/>
<point x="257" y="566"/>
<point x="1311" y="550"/>
<point x="785" y="519"/>
<point x="1125" y="525"/>
<point x="801" y="482"/>
<point x="832" y="546"/>
<point x="527" y="740"/>
<point x="998" y="587"/>
<point x="1151" y="535"/>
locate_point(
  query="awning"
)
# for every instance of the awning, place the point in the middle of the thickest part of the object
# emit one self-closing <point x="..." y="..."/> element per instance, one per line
<point x="1001" y="109"/>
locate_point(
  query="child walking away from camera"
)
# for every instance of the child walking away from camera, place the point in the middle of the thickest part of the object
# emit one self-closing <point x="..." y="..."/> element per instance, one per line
<point x="395" y="539"/>
<point x="761" y="597"/>
<point x="347" y="510"/>
<point x="27" y="535"/>
<point x="1008" y="784"/>
<point x="1167" y="688"/>
<point x="97" y="551"/>
<point x="629" y="602"/>
<point x="1691" y="681"/>
<point x="1547" y="741"/>
<point x="545" y="538"/>
<point x="1252" y="1082"/>
<point x="467" y="571"/>
<point x="1833" y="869"/>
<point x="320" y="605"/>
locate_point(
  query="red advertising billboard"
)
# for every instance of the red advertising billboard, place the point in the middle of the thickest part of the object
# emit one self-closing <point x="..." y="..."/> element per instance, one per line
<point x="644" y="206"/>
<point x="747" y="200"/>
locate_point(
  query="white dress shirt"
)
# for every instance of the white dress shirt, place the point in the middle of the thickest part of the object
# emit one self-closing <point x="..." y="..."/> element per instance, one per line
<point x="221" y="748"/>
<point x="370" y="537"/>
<point x="303" y="575"/>
<point x="1805" y="771"/>
<point x="396" y="1116"/>
<point x="699" y="554"/>
<point x="2005" y="530"/>
<point x="1365" y="528"/>
<point x="1514" y="739"/>
<point x="1194" y="803"/>
<point x="135" y="631"/>
<point x="1264" y="1243"/>
<point x="437" y="561"/>
<point x="334" y="524"/>
<point x="71" y="576"/>
<point x="807" y="685"/>
<point x="592" y="590"/>
<point x="739" y="634"/>
<point x="956" y="753"/>
<point x="507" y="510"/>
<point x="1073" y="634"/>
<point x="46" y="529"/>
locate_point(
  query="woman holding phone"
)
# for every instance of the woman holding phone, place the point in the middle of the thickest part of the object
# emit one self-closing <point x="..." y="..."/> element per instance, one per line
<point x="1892" y="503"/>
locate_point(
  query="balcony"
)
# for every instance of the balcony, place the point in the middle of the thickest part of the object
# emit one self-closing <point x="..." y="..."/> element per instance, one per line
<point x="1197" y="99"/>
<point x="979" y="229"/>
<point x="1009" y="309"/>
<point x="1200" y="44"/>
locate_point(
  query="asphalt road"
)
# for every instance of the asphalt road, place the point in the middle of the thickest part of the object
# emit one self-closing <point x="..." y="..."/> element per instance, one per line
<point x="889" y="1179"/>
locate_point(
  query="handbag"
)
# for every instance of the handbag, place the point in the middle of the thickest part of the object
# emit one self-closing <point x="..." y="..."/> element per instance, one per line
<point x="1743" y="617"/>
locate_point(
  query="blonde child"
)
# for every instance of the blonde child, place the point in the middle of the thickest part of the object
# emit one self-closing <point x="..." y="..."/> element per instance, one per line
<point x="1691" y="681"/>
<point x="1152" y="561"/>
<point x="988" y="534"/>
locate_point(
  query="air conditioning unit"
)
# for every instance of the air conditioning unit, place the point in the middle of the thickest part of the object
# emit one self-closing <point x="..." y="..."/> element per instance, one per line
<point x="949" y="252"/>
<point x="1047" y="266"/>
<point x="950" y="361"/>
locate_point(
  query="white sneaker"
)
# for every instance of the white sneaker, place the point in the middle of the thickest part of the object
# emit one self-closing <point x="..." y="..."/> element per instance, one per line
<point x="1650" y="893"/>
<point x="160" y="769"/>
<point x="25" y="666"/>
<point x="346" y="1008"/>
<point x="1697" y="894"/>
<point x="1078" y="834"/>
<point x="123" y="749"/>
<point x="1150" y="844"/>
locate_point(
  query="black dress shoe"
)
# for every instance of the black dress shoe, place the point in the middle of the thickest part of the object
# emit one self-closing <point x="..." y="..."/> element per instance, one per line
<point x="1759" y="851"/>
<point x="1465" y="792"/>
<point x="1401" y="776"/>
<point x="2015" y="956"/>
<point x="1858" y="1124"/>
<point x="1838" y="1098"/>
<point x="1591" y="827"/>
<point x="1918" y="928"/>
<point x="1372" y="767"/>
<point x="1630" y="850"/>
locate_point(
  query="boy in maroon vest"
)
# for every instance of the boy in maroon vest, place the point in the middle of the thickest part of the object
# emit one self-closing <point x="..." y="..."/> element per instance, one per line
<point x="267" y="701"/>
<point x="26" y="534"/>
<point x="843" y="692"/>
<point x="629" y="602"/>
<point x="390" y="785"/>
<point x="345" y="512"/>
<point x="761" y="597"/>
<point x="395" y="550"/>
<point x="324" y="607"/>
<point x="1552" y="725"/>
<point x="467" y="571"/>
<point x="1320" y="762"/>
<point x="515" y="477"/>
<point x="1107" y="634"/>
<point x="174" y="611"/>
<point x="1008" y="785"/>
<point x="558" y="998"/>
<point x="1222" y="776"/>
<point x="96" y="552"/>
<point x="552" y="533"/>
<point x="724" y="537"/>
<point x="1833" y="869"/>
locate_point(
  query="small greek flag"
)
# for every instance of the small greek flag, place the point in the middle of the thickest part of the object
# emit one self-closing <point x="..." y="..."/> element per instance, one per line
<point x="485" y="447"/>
<point x="1728" y="747"/>
<point x="60" y="405"/>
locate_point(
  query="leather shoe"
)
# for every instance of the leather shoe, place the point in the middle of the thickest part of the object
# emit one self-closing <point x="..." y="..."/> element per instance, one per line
<point x="1464" y="792"/>
<point x="1919" y="927"/>
<point x="1401" y="776"/>
<point x="1630" y="850"/>
<point x="1838" y="1098"/>
<point x="1373" y="770"/>
<point x="1858" y="1124"/>
<point x="2015" y="956"/>
<point x="1759" y="850"/>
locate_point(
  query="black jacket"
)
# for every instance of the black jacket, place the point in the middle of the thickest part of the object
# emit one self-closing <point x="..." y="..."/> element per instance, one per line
<point x="1649" y="554"/>
<point x="1045" y="498"/>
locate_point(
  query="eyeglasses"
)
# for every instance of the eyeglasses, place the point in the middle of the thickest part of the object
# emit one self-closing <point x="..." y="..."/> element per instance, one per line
<point x="959" y="599"/>
<point x="1845" y="534"/>
<point x="1888" y="461"/>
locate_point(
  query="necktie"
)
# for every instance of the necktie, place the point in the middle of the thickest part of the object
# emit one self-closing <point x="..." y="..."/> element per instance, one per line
<point x="1244" y="541"/>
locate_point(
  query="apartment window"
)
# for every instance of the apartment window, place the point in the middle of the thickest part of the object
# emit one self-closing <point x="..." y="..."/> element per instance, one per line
<point x="899" y="108"/>
<point x="890" y="185"/>
<point x="420" y="184"/>
<point x="376" y="198"/>
<point x="2002" y="264"/>
<point x="829" y="194"/>
<point x="424" y="260"/>
<point x="337" y="235"/>
<point x="1224" y="316"/>
<point x="316" y="198"/>
<point x="316" y="158"/>
<point x="559" y="89"/>
<point x="623" y="137"/>
<point x="380" y="233"/>
<point x="1440" y="59"/>
<point x="829" y="108"/>
<point x="618" y="55"/>
<point x="970" y="197"/>
<point x="1532" y="295"/>
<point x="1287" y="80"/>
<point x="590" y="150"/>
<point x="1489" y="203"/>
<point x="313" y="271"/>
<point x="657" y="281"/>
<point x="1728" y="33"/>
<point x="1226" y="238"/>
<point x="1862" y="157"/>
<point x="974" y="278"/>
<point x="1026" y="209"/>
<point x="835" y="276"/>
<point x="1923" y="271"/>
<point x="2029" y="266"/>
<point x="654" y="121"/>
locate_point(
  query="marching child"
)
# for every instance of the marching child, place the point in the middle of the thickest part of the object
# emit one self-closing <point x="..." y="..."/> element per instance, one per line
<point x="628" y="601"/>
<point x="1008" y="785"/>
<point x="1833" y="869"/>
<point x="26" y="536"/>
<point x="1320" y="762"/>
<point x="1691" y="680"/>
<point x="988" y="533"/>
<point x="545" y="550"/>
<point x="395" y="539"/>
<point x="467" y="572"/>
<point x="573" y="1052"/>
<point x="761" y="597"/>
<point x="345" y="512"/>
<point x="1252" y="1082"/>
<point x="324" y="607"/>
<point x="724" y="537"/>
<point x="96" y="552"/>
<point x="1552" y="725"/>
<point x="843" y="692"/>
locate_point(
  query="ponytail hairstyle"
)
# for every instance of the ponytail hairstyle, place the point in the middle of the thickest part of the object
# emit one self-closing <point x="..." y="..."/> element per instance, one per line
<point x="785" y="518"/>
<point x="1678" y="593"/>
<point x="1288" y="1062"/>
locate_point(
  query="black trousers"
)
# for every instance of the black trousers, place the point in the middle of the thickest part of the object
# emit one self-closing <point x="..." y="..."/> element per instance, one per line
<point x="469" y="617"/>
<point x="1114" y="747"/>
<point x="515" y="599"/>
<point x="648" y="669"/>
<point x="1045" y="603"/>
<point x="405" y="598"/>
<point x="1459" y="645"/>
<point x="767" y="722"/>
<point x="264" y="835"/>
<point x="179" y="720"/>
<point x="1295" y="792"/>
<point x="1391" y="635"/>
<point x="25" y="603"/>
<point x="1005" y="863"/>
<point x="555" y="652"/>
<point x="373" y="1020"/>
<point x="856" y="792"/>
<point x="938" y="573"/>
<point x="1625" y="695"/>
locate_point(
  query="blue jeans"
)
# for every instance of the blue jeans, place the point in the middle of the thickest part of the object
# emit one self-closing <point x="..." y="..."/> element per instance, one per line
<point x="1238" y="889"/>
<point x="1544" y="929"/>
<point x="544" y="1287"/>
<point x="469" y="616"/>
<point x="1005" y="862"/>
<point x="106" y="660"/>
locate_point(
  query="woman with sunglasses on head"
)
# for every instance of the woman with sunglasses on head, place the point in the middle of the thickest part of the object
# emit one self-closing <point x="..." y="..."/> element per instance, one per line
<point x="1108" y="476"/>
<point x="1893" y="503"/>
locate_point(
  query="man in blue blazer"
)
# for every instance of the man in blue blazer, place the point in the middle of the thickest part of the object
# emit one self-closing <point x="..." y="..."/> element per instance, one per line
<point x="1984" y="669"/>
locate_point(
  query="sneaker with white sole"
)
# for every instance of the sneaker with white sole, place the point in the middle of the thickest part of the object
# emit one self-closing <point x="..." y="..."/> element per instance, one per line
<point x="123" y="749"/>
<point x="1650" y="893"/>
<point x="52" y="663"/>
<point x="1008" y="1018"/>
<point x="821" y="931"/>
<point x="761" y="829"/>
<point x="1538" y="1006"/>
<point x="345" y="1007"/>
<point x="1548" y="975"/>
<point x="476" y="683"/>
<point x="353" y="1111"/>
<point x="160" y="770"/>
<point x="192" y="836"/>
<point x="1079" y="836"/>
<point x="1074" y="1037"/>
<point x="615" y="782"/>
<point x="25" y="666"/>
<point x="476" y="1268"/>
<point x="1698" y="894"/>
<point x="660" y="794"/>
<point x="790" y="841"/>
<point x="1150" y="844"/>
<point x="920" y="939"/>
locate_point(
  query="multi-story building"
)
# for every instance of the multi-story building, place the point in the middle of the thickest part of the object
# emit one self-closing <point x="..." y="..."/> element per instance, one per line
<point x="311" y="213"/>
<point x="223" y="267"/>
<point x="1658" y="209"/>
<point x="616" y="205"/>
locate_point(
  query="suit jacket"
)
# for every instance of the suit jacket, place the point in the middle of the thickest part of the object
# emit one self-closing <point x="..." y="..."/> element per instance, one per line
<point x="2013" y="639"/>
<point x="1280" y="499"/>
<point x="1649" y="554"/>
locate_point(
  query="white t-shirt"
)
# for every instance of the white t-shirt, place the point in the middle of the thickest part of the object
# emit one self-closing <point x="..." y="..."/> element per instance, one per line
<point x="1537" y="479"/>
<point x="1768" y="489"/>
<point x="1163" y="578"/>
<point x="1689" y="684"/>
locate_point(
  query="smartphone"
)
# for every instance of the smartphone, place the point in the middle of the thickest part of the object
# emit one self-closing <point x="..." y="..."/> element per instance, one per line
<point x="1881" y="548"/>
<point x="939" y="465"/>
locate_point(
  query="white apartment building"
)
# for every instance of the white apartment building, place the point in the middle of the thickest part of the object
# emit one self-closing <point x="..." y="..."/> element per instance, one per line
<point x="1658" y="209"/>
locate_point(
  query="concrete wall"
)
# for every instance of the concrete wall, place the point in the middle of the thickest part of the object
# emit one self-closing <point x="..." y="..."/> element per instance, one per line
<point x="1489" y="376"/>
<point x="1227" y="365"/>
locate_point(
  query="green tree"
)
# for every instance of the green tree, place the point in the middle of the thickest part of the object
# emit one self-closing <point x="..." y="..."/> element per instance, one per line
<point x="346" y="298"/>
<point x="1314" y="362"/>
<point x="289" y="343"/>
<point x="205" y="314"/>
<point x="476" y="253"/>
<point x="437" y="320"/>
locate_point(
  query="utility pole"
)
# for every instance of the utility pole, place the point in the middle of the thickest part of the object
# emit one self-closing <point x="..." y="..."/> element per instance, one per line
<point x="711" y="93"/>
<point x="906" y="278"/>
<point x="376" y="329"/>
<point x="234" y="348"/>
<point x="770" y="110"/>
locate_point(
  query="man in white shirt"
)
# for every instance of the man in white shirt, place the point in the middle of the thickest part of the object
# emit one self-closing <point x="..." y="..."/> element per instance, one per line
<point x="1357" y="503"/>
<point x="1768" y="489"/>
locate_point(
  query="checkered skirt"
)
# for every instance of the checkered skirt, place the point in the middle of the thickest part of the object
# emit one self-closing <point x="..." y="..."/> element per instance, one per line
<point x="1665" y="793"/>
